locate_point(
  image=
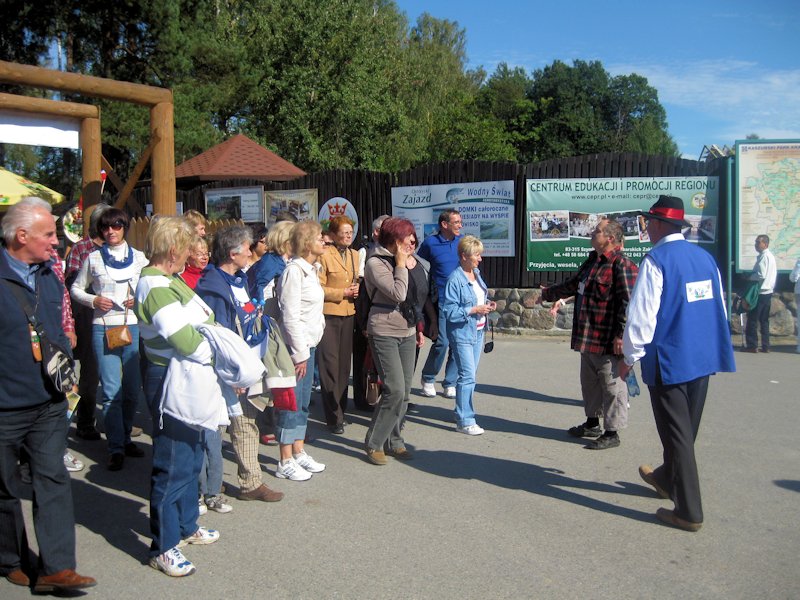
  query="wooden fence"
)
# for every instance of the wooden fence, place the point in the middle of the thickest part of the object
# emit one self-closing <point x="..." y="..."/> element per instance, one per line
<point x="370" y="193"/>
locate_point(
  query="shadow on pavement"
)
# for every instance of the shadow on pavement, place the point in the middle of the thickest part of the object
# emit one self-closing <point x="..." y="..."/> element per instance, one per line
<point x="527" y="477"/>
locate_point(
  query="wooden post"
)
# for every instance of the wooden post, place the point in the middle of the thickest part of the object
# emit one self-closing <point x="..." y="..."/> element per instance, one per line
<point x="90" y="171"/>
<point x="162" y="162"/>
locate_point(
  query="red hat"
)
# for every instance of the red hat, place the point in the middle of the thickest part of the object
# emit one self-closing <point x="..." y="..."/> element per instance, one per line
<point x="668" y="209"/>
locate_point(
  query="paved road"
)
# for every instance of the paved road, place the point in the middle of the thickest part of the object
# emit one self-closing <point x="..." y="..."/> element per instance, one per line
<point x="520" y="512"/>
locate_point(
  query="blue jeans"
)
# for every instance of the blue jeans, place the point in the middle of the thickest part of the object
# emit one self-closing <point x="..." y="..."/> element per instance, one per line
<point x="211" y="472"/>
<point x="122" y="386"/>
<point x="177" y="460"/>
<point x="436" y="358"/>
<point x="467" y="357"/>
<point x="292" y="424"/>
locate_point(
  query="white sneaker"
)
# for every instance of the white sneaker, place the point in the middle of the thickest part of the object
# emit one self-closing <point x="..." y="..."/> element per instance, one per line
<point x="71" y="463"/>
<point x="473" y="429"/>
<point x="203" y="536"/>
<point x="173" y="563"/>
<point x="201" y="506"/>
<point x="289" y="469"/>
<point x="308" y="463"/>
<point x="450" y="391"/>
<point x="428" y="389"/>
<point x="217" y="504"/>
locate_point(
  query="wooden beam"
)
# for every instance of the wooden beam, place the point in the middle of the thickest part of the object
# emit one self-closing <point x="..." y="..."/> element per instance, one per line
<point x="137" y="172"/>
<point x="90" y="161"/>
<point x="112" y="174"/>
<point x="83" y="84"/>
<point x="163" y="164"/>
<point x="26" y="104"/>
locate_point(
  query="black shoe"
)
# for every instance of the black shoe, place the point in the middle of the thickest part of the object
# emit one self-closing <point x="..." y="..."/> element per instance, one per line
<point x="88" y="433"/>
<point x="604" y="442"/>
<point x="133" y="450"/>
<point x="583" y="431"/>
<point x="338" y="429"/>
<point x="115" y="461"/>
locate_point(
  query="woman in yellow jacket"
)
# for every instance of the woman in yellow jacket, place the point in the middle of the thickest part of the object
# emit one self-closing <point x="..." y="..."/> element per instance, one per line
<point x="339" y="279"/>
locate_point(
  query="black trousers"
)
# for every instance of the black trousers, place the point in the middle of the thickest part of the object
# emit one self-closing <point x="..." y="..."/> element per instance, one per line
<point x="360" y="344"/>
<point x="758" y="320"/>
<point x="677" y="410"/>
<point x="334" y="352"/>
<point x="89" y="376"/>
<point x="41" y="431"/>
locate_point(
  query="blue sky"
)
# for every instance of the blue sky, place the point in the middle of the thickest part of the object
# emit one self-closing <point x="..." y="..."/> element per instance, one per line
<point x="723" y="70"/>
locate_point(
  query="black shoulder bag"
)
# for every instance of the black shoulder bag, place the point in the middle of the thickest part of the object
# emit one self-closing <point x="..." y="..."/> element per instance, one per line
<point x="57" y="363"/>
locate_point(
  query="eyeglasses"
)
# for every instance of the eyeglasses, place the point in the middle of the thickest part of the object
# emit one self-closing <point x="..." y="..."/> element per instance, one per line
<point x="116" y="225"/>
<point x="201" y="254"/>
<point x="262" y="242"/>
<point x="328" y="243"/>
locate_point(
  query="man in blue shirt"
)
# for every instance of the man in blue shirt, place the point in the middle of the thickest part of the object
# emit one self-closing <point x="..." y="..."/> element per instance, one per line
<point x="441" y="250"/>
<point x="34" y="412"/>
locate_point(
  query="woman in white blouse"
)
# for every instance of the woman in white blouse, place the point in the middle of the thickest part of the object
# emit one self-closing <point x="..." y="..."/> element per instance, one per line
<point x="300" y="298"/>
<point x="106" y="282"/>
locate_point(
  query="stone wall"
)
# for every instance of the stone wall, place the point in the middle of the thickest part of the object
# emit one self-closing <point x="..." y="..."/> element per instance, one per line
<point x="517" y="313"/>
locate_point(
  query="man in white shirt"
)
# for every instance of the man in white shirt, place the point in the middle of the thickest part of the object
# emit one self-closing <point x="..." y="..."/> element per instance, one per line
<point x="765" y="270"/>
<point x="677" y="302"/>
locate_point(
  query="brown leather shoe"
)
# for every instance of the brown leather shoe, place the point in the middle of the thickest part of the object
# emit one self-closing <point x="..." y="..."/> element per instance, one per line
<point x="136" y="431"/>
<point x="670" y="518"/>
<point x="262" y="493"/>
<point x="376" y="457"/>
<point x="62" y="581"/>
<point x="401" y="453"/>
<point x="646" y="473"/>
<point x="18" y="577"/>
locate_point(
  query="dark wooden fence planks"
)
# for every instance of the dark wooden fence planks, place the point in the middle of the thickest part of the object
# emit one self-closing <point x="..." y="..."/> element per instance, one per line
<point x="370" y="193"/>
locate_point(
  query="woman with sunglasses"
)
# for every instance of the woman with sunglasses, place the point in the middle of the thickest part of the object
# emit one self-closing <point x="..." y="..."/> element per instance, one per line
<point x="339" y="279"/>
<point x="259" y="246"/>
<point x="106" y="282"/>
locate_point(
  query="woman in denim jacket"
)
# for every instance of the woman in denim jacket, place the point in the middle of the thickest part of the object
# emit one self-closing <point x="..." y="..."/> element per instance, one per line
<point x="465" y="307"/>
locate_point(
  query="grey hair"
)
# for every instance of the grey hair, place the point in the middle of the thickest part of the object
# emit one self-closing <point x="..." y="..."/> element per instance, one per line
<point x="94" y="218"/>
<point x="22" y="215"/>
<point x="227" y="240"/>
<point x="378" y="221"/>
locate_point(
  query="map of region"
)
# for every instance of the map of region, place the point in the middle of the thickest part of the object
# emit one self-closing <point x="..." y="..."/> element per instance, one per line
<point x="768" y="182"/>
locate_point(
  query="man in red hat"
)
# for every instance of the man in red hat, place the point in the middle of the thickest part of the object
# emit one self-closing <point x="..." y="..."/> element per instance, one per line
<point x="677" y="301"/>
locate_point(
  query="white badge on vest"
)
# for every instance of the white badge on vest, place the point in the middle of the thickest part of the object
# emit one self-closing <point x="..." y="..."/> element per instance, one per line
<point x="699" y="290"/>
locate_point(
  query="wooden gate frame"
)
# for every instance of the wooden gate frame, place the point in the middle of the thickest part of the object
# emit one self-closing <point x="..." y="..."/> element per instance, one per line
<point x="158" y="100"/>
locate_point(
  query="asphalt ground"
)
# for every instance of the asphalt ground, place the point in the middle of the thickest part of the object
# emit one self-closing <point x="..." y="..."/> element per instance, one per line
<point x="523" y="511"/>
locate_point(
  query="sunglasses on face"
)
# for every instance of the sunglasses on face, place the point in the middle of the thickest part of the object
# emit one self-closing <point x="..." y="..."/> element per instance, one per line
<point x="116" y="225"/>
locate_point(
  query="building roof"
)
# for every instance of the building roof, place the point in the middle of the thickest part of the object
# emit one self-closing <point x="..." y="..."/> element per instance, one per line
<point x="237" y="158"/>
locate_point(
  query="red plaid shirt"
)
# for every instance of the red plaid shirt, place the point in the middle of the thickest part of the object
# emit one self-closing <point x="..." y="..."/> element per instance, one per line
<point x="600" y="311"/>
<point x="67" y="322"/>
<point x="77" y="255"/>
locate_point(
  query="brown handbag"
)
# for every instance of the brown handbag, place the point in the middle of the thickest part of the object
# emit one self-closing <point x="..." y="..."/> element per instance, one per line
<point x="118" y="336"/>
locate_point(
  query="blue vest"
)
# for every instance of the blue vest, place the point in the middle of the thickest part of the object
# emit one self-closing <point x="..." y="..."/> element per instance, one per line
<point x="692" y="337"/>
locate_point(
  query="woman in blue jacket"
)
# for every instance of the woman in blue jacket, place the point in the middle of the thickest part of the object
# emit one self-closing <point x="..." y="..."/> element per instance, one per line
<point x="465" y="307"/>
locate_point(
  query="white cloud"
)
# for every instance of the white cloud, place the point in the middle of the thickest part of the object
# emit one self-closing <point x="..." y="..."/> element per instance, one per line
<point x="744" y="94"/>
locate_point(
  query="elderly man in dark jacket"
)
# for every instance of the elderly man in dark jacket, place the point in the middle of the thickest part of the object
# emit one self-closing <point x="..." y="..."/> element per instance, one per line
<point x="33" y="414"/>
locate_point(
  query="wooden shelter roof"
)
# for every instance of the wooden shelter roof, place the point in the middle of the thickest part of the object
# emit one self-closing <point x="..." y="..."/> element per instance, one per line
<point x="236" y="158"/>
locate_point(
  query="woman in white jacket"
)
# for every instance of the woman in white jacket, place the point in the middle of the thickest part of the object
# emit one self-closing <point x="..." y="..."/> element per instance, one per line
<point x="300" y="298"/>
<point x="111" y="274"/>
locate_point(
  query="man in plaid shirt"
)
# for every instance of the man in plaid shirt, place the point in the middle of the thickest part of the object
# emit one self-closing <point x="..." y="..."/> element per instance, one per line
<point x="602" y="289"/>
<point x="84" y="353"/>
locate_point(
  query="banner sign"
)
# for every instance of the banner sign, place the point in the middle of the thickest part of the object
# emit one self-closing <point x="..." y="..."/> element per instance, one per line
<point x="487" y="211"/>
<point x="768" y="185"/>
<point x="246" y="203"/>
<point x="561" y="214"/>
<point x="301" y="203"/>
